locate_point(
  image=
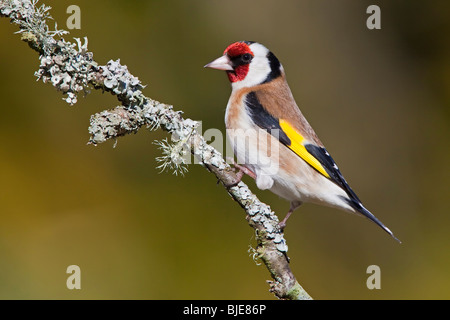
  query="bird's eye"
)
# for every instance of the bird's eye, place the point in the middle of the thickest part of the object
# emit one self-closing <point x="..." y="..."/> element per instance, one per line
<point x="246" y="57"/>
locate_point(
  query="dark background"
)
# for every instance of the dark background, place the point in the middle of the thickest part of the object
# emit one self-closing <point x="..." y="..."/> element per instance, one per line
<point x="378" y="99"/>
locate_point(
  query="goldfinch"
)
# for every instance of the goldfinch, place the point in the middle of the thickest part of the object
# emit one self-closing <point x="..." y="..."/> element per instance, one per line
<point x="272" y="139"/>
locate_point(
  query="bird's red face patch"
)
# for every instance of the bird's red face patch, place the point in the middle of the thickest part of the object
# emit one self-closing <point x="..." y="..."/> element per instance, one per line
<point x="235" y="50"/>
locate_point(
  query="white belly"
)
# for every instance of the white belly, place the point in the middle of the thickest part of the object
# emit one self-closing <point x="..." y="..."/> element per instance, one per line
<point x="276" y="167"/>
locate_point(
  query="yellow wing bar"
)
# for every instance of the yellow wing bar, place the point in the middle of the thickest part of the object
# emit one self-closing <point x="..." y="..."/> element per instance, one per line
<point x="298" y="147"/>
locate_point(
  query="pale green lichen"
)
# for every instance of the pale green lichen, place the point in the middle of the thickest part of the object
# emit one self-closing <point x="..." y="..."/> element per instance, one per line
<point x="173" y="158"/>
<point x="296" y="292"/>
<point x="255" y="255"/>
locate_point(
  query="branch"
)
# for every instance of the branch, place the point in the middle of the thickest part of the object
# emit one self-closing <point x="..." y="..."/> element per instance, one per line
<point x="70" y="68"/>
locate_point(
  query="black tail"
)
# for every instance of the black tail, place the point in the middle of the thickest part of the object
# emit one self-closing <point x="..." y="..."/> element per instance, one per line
<point x="366" y="213"/>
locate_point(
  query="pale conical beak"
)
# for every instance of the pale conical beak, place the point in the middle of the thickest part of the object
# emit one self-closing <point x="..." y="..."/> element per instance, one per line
<point x="222" y="63"/>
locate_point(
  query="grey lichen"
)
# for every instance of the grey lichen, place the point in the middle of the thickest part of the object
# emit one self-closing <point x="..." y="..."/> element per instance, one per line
<point x="70" y="68"/>
<point x="67" y="66"/>
<point x="119" y="81"/>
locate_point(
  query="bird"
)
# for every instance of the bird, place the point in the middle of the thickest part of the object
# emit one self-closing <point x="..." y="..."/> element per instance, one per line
<point x="272" y="140"/>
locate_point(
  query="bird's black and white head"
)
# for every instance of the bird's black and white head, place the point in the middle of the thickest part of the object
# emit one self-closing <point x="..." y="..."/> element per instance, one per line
<point x="248" y="64"/>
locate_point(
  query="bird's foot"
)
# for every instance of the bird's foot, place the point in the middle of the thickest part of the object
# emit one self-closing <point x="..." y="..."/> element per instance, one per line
<point x="240" y="174"/>
<point x="294" y="205"/>
<point x="282" y="223"/>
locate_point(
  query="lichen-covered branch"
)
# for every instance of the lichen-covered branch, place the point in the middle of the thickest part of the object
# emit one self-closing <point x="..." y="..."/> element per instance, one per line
<point x="70" y="68"/>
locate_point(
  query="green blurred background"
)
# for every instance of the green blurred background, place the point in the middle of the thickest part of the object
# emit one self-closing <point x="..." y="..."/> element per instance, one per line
<point x="378" y="99"/>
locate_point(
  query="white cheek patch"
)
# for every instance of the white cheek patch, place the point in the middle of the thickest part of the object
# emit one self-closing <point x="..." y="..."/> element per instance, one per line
<point x="258" y="70"/>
